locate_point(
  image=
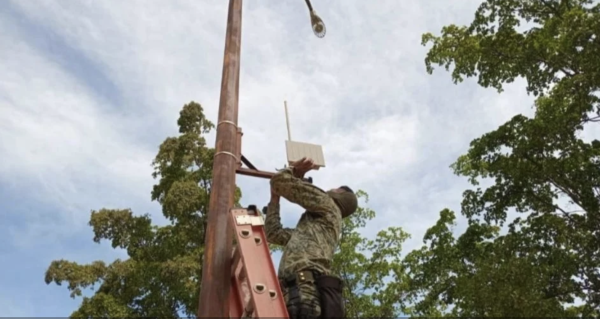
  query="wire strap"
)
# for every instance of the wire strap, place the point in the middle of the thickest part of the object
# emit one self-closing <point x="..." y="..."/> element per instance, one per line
<point x="227" y="153"/>
<point x="227" y="122"/>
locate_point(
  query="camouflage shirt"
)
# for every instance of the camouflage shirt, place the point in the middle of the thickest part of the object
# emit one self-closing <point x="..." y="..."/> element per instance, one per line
<point x="312" y="243"/>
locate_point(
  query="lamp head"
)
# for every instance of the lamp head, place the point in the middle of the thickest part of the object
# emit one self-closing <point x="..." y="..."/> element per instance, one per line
<point x="317" y="24"/>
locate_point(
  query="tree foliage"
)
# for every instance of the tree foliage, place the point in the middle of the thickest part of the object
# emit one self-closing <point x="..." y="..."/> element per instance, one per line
<point x="161" y="277"/>
<point x="541" y="168"/>
<point x="375" y="284"/>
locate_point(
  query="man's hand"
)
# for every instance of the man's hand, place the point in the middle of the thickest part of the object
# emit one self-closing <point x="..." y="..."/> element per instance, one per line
<point x="302" y="166"/>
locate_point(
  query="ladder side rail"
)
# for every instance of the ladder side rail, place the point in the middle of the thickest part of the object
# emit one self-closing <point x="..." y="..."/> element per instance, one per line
<point x="264" y="290"/>
<point x="264" y="265"/>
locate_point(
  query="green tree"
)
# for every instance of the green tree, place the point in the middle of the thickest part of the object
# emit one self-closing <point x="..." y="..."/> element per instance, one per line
<point x="539" y="166"/>
<point x="161" y="277"/>
<point x="375" y="285"/>
<point x="481" y="273"/>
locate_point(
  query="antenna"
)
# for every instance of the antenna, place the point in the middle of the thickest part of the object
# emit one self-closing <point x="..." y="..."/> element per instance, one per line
<point x="298" y="150"/>
<point x="287" y="121"/>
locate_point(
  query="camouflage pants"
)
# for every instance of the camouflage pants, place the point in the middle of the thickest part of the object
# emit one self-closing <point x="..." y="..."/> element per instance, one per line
<point x="303" y="301"/>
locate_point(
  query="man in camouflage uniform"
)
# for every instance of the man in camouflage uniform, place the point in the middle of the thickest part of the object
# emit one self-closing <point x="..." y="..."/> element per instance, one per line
<point x="305" y="267"/>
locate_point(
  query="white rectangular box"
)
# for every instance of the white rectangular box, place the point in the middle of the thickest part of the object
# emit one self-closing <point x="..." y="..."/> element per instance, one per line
<point x="297" y="150"/>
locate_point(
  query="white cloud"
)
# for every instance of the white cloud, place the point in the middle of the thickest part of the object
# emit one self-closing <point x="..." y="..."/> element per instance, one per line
<point x="55" y="135"/>
<point x="82" y="121"/>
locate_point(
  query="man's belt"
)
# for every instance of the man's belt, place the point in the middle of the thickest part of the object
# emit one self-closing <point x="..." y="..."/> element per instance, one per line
<point x="299" y="277"/>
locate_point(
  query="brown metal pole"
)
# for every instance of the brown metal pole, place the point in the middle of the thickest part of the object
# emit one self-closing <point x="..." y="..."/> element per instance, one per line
<point x="216" y="272"/>
<point x="255" y="173"/>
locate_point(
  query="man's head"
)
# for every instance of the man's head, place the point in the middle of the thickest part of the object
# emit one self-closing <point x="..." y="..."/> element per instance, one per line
<point x="345" y="198"/>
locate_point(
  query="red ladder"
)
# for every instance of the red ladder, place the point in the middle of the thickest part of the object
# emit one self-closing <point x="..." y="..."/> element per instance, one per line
<point x="255" y="290"/>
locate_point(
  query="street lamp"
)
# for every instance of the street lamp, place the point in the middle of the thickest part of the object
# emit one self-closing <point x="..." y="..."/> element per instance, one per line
<point x="316" y="22"/>
<point x="216" y="270"/>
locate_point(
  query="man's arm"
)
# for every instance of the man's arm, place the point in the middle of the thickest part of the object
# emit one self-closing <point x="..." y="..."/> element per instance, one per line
<point x="297" y="191"/>
<point x="274" y="230"/>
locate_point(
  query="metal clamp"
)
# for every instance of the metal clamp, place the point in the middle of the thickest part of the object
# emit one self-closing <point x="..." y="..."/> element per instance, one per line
<point x="227" y="122"/>
<point x="249" y="220"/>
<point x="227" y="153"/>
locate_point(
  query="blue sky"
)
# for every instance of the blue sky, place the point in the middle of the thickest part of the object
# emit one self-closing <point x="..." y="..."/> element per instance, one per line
<point x="88" y="90"/>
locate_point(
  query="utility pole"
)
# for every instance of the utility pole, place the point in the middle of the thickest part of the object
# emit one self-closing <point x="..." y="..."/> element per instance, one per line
<point x="216" y="271"/>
